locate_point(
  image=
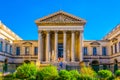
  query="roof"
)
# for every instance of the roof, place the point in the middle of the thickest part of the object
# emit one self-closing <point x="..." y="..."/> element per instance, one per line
<point x="5" y="30"/>
<point x="114" y="32"/>
<point x="60" y="17"/>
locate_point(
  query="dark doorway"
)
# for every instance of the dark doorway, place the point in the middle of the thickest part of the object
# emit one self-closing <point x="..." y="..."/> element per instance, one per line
<point x="95" y="65"/>
<point x="60" y="50"/>
<point x="115" y="65"/>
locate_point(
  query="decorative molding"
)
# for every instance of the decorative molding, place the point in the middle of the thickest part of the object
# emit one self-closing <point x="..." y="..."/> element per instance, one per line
<point x="114" y="33"/>
<point x="95" y="43"/>
<point x="114" y="40"/>
<point x="61" y="28"/>
<point x="27" y="43"/>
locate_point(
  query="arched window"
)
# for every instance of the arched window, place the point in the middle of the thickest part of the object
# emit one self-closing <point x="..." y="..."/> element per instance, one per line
<point x="95" y="65"/>
<point x="115" y="65"/>
<point x="1" y="46"/>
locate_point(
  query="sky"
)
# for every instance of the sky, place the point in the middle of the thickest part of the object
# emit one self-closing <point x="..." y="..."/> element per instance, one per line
<point x="20" y="15"/>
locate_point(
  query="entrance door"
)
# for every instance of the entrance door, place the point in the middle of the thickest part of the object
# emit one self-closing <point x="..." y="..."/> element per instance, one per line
<point x="115" y="65"/>
<point x="60" y="50"/>
<point x="95" y="65"/>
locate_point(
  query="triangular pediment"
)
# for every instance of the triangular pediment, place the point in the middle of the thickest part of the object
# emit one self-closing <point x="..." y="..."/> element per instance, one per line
<point x="95" y="43"/>
<point x="60" y="17"/>
<point x="27" y="43"/>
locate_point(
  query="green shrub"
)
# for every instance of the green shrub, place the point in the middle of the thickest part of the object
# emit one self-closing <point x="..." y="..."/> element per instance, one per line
<point x="26" y="71"/>
<point x="8" y="77"/>
<point x="47" y="73"/>
<point x="88" y="71"/>
<point x="104" y="74"/>
<point x="117" y="73"/>
<point x="64" y="75"/>
<point x="86" y="77"/>
<point x="74" y="74"/>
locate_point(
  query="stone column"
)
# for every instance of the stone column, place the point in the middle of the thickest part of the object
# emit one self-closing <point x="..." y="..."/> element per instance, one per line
<point x="64" y="46"/>
<point x="48" y="46"/>
<point x="39" y="46"/>
<point x="81" y="45"/>
<point x="56" y="46"/>
<point x="72" y="46"/>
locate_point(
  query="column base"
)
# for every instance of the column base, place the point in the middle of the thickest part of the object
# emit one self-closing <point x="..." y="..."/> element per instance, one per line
<point x="38" y="63"/>
<point x="47" y="62"/>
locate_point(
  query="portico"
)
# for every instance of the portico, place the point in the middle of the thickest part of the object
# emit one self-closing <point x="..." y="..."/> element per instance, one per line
<point x="60" y="37"/>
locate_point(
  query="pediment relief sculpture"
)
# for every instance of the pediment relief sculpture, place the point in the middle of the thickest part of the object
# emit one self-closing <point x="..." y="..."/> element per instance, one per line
<point x="60" y="17"/>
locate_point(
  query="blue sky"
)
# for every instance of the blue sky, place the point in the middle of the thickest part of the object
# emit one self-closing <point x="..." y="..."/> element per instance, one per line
<point x="101" y="15"/>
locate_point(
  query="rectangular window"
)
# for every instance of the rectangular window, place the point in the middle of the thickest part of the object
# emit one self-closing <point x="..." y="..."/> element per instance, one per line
<point x="94" y="51"/>
<point x="104" y="51"/>
<point x="115" y="48"/>
<point x="111" y="49"/>
<point x="35" y="50"/>
<point x="27" y="50"/>
<point x="10" y="49"/>
<point x="1" y="46"/>
<point x="17" y="50"/>
<point x="6" y="48"/>
<point x="119" y="46"/>
<point x="85" y="51"/>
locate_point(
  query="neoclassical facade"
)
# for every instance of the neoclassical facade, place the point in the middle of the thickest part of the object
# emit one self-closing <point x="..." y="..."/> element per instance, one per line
<point x="60" y="37"/>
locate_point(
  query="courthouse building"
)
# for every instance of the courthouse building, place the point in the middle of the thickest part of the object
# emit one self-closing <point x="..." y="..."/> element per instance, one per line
<point x="60" y="37"/>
